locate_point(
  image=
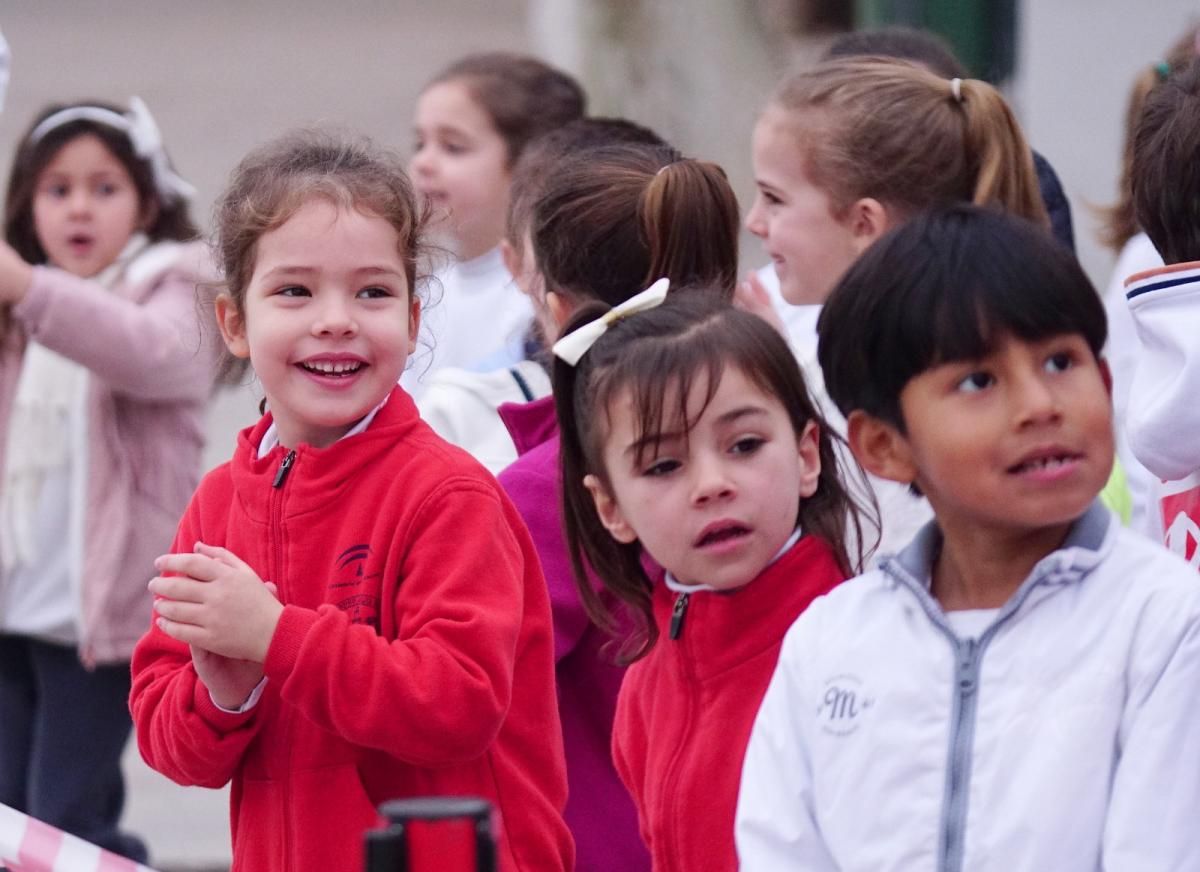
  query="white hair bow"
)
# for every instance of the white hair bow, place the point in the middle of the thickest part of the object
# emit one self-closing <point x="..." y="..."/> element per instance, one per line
<point x="575" y="345"/>
<point x="138" y="124"/>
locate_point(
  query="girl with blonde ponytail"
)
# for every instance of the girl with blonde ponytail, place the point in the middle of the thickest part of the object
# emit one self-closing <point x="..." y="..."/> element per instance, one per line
<point x="856" y="146"/>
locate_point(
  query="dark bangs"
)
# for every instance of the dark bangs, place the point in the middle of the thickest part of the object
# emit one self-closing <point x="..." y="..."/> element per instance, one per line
<point x="692" y="342"/>
<point x="948" y="286"/>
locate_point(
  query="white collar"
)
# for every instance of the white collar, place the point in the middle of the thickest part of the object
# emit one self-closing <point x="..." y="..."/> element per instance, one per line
<point x="680" y="587"/>
<point x="271" y="438"/>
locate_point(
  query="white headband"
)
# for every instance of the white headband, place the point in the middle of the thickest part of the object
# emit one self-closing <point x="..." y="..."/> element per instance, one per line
<point x="575" y="345"/>
<point x="143" y="133"/>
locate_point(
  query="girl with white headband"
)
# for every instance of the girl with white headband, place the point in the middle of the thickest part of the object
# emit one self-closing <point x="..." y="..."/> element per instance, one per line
<point x="105" y="374"/>
<point x="701" y="485"/>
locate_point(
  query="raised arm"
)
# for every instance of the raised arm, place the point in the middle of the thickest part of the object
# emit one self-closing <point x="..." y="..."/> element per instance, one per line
<point x="1163" y="415"/>
<point x="159" y="348"/>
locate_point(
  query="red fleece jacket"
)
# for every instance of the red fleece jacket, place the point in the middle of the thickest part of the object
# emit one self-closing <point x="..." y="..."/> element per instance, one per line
<point x="414" y="655"/>
<point x="685" y="710"/>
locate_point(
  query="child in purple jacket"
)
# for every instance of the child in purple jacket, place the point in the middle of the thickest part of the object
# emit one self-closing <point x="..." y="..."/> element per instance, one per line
<point x="614" y="214"/>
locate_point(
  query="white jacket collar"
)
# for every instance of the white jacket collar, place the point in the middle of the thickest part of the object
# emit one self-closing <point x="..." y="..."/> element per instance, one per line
<point x="1087" y="543"/>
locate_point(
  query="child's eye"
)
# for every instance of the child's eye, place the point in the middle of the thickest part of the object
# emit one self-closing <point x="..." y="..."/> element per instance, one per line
<point x="975" y="382"/>
<point x="294" y="291"/>
<point x="769" y="198"/>
<point x="1060" y="362"/>
<point x="747" y="445"/>
<point x="375" y="292"/>
<point x="56" y="190"/>
<point x="456" y="147"/>
<point x="661" y="468"/>
<point x="106" y="189"/>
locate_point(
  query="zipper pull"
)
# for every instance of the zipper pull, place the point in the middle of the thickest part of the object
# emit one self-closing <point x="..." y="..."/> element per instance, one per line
<point x="677" y="614"/>
<point x="284" y="468"/>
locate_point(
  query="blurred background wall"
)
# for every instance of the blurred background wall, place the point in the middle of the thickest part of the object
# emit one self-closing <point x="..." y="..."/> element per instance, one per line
<point x="223" y="75"/>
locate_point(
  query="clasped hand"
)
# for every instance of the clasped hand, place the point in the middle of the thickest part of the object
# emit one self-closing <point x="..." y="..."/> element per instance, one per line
<point x="214" y="601"/>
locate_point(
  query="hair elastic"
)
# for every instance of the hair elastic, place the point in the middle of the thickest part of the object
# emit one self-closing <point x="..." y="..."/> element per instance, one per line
<point x="138" y="124"/>
<point x="575" y="345"/>
<point x="956" y="89"/>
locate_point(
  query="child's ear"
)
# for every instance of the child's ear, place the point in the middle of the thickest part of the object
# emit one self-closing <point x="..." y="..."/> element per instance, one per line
<point x="1106" y="371"/>
<point x="414" y="321"/>
<point x="511" y="257"/>
<point x="808" y="451"/>
<point x="880" y="447"/>
<point x="560" y="308"/>
<point x="149" y="216"/>
<point x="233" y="328"/>
<point x="869" y="220"/>
<point x="608" y="510"/>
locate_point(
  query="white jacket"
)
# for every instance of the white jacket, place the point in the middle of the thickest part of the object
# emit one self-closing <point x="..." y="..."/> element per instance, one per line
<point x="1164" y="410"/>
<point x="1067" y="738"/>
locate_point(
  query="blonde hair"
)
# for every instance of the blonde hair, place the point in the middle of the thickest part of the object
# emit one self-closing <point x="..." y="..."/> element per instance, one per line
<point x="898" y="133"/>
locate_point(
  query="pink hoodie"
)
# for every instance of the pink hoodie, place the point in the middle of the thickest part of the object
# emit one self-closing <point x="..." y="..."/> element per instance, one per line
<point x="151" y="368"/>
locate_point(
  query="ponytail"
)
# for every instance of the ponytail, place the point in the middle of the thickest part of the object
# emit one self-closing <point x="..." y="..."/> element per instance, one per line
<point x="886" y="129"/>
<point x="1004" y="174"/>
<point x="689" y="219"/>
<point x="617" y="218"/>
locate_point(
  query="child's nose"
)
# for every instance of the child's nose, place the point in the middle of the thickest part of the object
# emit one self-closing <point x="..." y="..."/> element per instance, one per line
<point x="79" y="202"/>
<point x="755" y="220"/>
<point x="1036" y="401"/>
<point x="710" y="481"/>
<point x="335" y="318"/>
<point x="422" y="163"/>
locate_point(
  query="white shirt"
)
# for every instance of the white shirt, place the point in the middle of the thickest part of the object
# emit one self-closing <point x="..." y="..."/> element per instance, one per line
<point x="474" y="313"/>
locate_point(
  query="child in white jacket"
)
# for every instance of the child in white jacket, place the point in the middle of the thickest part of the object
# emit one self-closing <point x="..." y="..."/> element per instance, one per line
<point x="1019" y="689"/>
<point x="1164" y="409"/>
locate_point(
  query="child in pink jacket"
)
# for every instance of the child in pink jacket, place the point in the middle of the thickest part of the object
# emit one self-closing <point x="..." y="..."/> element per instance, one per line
<point x="106" y="371"/>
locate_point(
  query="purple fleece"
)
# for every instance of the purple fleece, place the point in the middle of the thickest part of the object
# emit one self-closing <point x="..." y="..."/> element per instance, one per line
<point x="600" y="812"/>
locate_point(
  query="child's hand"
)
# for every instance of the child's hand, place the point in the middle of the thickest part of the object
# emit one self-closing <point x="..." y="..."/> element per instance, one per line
<point x="750" y="296"/>
<point x="15" y="275"/>
<point x="215" y="602"/>
<point x="230" y="682"/>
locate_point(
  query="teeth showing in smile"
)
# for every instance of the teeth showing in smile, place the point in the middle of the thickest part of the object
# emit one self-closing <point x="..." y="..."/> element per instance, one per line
<point x="1041" y="463"/>
<point x="329" y="367"/>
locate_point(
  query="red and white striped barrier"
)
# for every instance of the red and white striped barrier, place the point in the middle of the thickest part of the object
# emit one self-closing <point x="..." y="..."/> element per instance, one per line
<point x="28" y="845"/>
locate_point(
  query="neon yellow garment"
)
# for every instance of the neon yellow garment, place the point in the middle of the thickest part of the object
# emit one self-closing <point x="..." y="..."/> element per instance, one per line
<point x="1116" y="494"/>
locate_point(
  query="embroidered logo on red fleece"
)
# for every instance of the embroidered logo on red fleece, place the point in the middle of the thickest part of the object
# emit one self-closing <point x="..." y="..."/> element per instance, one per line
<point x="351" y="577"/>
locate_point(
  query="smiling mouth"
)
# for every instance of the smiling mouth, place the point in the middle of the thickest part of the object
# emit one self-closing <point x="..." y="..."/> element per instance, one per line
<point x="722" y="534"/>
<point x="1050" y="463"/>
<point x="338" y="369"/>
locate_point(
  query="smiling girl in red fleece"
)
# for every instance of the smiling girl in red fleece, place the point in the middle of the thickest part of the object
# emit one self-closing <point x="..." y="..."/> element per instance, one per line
<point x="352" y="611"/>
